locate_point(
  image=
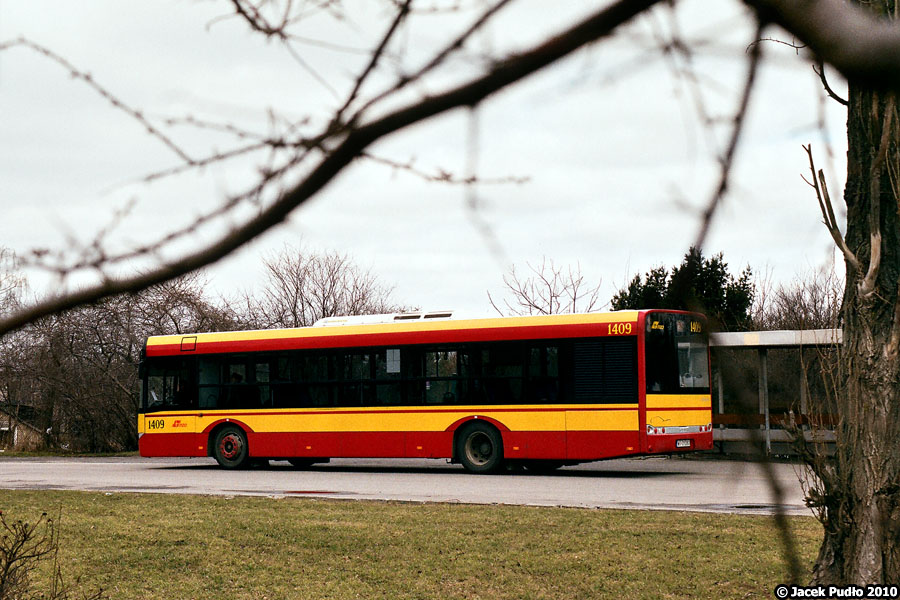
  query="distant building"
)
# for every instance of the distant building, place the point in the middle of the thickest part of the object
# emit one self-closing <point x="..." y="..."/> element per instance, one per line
<point x="16" y="433"/>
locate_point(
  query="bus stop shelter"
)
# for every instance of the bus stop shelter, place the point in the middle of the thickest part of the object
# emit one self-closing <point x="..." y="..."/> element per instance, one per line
<point x="738" y="431"/>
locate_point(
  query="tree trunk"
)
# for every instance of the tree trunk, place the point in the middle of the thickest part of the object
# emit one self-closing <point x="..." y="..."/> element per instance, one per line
<point x="860" y="486"/>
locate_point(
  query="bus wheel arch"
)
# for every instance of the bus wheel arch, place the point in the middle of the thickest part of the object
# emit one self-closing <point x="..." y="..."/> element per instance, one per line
<point x="460" y="423"/>
<point x="229" y="446"/>
<point x="478" y="446"/>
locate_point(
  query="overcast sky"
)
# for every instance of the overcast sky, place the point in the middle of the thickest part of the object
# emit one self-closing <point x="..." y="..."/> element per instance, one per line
<point x="618" y="162"/>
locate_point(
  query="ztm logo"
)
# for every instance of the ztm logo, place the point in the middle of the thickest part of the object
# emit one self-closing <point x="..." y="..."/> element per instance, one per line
<point x="179" y="423"/>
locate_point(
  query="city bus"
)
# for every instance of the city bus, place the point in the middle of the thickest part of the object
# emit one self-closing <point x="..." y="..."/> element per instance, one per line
<point x="539" y="392"/>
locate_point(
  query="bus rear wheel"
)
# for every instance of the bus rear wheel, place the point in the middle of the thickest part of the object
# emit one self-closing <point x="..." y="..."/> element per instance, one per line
<point x="480" y="448"/>
<point x="230" y="448"/>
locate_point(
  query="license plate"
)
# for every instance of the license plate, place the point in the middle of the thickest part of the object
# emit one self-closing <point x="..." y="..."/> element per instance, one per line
<point x="682" y="443"/>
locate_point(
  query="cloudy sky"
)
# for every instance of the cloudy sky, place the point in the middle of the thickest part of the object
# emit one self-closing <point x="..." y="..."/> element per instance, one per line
<point x="618" y="160"/>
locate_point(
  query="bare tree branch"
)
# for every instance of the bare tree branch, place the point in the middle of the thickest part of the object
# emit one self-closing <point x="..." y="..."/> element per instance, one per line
<point x="441" y="175"/>
<point x="506" y="72"/>
<point x="258" y="22"/>
<point x="402" y="13"/>
<point x="819" y="69"/>
<point x="867" y="286"/>
<point x="828" y="218"/>
<point x="548" y="290"/>
<point x="302" y="287"/>
<point x="728" y="157"/>
<point x="254" y="17"/>
<point x="105" y="93"/>
<point x="855" y="42"/>
<point x="440" y="57"/>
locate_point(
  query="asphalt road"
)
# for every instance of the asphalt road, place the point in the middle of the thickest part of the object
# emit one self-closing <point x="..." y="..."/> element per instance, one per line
<point x="651" y="483"/>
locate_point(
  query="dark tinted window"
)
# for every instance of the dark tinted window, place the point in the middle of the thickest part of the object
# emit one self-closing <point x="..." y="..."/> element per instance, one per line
<point x="502" y="371"/>
<point x="542" y="385"/>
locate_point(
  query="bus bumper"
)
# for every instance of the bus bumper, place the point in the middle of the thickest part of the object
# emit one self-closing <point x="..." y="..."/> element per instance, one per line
<point x="679" y="442"/>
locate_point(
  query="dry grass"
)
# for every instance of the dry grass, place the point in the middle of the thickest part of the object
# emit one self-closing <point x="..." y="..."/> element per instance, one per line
<point x="172" y="546"/>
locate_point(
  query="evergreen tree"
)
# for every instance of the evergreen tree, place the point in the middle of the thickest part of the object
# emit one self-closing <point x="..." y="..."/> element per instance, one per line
<point x="698" y="283"/>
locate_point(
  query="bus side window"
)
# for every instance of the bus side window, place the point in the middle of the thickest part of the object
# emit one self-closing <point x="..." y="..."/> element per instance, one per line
<point x="262" y="388"/>
<point x="543" y="375"/>
<point x="185" y="391"/>
<point x="210" y="386"/>
<point x="388" y="390"/>
<point x="412" y="360"/>
<point x="315" y="373"/>
<point x="355" y="379"/>
<point x="503" y="368"/>
<point x="236" y="392"/>
<point x="439" y="366"/>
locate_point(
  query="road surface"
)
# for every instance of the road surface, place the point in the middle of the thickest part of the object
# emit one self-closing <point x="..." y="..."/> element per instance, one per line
<point x="650" y="483"/>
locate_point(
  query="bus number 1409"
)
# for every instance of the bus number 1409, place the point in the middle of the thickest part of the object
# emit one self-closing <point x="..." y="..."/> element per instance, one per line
<point x="619" y="329"/>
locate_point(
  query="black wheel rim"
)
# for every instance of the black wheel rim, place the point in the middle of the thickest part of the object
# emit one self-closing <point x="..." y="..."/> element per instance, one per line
<point x="479" y="448"/>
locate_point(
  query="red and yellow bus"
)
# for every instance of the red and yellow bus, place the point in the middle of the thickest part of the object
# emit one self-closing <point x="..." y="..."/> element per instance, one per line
<point x="542" y="391"/>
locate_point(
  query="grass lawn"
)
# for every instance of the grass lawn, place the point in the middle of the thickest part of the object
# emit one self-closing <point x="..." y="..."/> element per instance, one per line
<point x="181" y="547"/>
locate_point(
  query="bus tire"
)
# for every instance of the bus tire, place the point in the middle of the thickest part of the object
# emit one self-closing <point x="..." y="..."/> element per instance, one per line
<point x="480" y="448"/>
<point x="230" y="448"/>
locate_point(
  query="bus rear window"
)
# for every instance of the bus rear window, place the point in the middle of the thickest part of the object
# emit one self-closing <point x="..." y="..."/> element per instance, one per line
<point x="677" y="354"/>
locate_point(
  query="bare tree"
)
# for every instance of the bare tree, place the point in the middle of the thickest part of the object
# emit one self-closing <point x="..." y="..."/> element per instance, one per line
<point x="179" y="306"/>
<point x="548" y="290"/>
<point x="861" y="518"/>
<point x="302" y="287"/>
<point x="75" y="373"/>
<point x="812" y="301"/>
<point x="12" y="282"/>
<point x="12" y="290"/>
<point x="861" y="484"/>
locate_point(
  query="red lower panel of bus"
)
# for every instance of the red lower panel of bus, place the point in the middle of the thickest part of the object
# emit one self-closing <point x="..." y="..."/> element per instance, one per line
<point x="534" y="444"/>
<point x="558" y="445"/>
<point x="172" y="444"/>
<point x="594" y="445"/>
<point x="388" y="444"/>
<point x="358" y="445"/>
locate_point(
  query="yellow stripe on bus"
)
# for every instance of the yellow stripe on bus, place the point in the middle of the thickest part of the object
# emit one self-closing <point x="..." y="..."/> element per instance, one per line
<point x="679" y="401"/>
<point x="575" y="417"/>
<point x="678" y="418"/>
<point x="602" y="420"/>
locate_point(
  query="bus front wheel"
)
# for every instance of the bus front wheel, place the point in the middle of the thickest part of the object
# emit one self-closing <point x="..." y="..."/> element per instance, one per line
<point x="480" y="448"/>
<point x="230" y="448"/>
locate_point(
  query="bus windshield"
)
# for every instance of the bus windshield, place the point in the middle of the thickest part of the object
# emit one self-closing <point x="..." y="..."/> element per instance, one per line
<point x="677" y="354"/>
